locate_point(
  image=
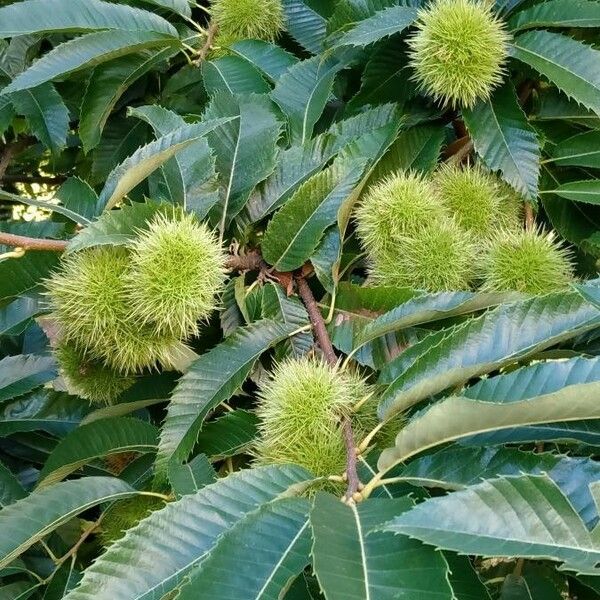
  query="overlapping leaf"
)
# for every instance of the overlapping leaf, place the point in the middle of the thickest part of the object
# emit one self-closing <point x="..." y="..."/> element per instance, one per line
<point x="22" y="373"/>
<point x="524" y="516"/>
<point x="95" y="440"/>
<point x="505" y="140"/>
<point x="212" y="379"/>
<point x="269" y="547"/>
<point x="155" y="556"/>
<point x="558" y="13"/>
<point x="497" y="338"/>
<point x="569" y="64"/>
<point x="28" y="520"/>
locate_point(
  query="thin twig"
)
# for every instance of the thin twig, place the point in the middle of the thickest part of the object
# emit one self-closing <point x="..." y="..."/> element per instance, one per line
<point x="250" y="261"/>
<point x="316" y="320"/>
<point x="28" y="243"/>
<point x="529" y="216"/>
<point x="324" y="341"/>
<point x="211" y="32"/>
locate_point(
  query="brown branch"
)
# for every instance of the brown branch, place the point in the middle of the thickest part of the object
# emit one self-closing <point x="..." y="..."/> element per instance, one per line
<point x="27" y="243"/>
<point x="316" y="319"/>
<point x="458" y="150"/>
<point x="324" y="341"/>
<point x="210" y="38"/>
<point x="529" y="216"/>
<point x="250" y="261"/>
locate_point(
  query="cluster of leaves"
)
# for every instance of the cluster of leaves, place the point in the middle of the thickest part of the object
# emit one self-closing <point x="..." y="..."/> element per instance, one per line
<point x="488" y="487"/>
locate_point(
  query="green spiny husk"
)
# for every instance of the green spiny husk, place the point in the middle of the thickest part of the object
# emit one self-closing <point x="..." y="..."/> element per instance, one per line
<point x="458" y="51"/>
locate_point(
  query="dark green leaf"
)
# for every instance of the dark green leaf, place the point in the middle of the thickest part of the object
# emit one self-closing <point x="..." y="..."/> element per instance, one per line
<point x="190" y="477"/>
<point x="352" y="562"/>
<point x="28" y="520"/>
<point x="269" y="59"/>
<point x="228" y="435"/>
<point x="505" y="140"/>
<point x="268" y="546"/>
<point x="569" y="64"/>
<point x="156" y="555"/>
<point x="305" y="25"/>
<point x="213" y="378"/>
<point x="10" y="488"/>
<point x="582" y="150"/>
<point x="23" y="373"/>
<point x="558" y="13"/>
<point x="95" y="440"/>
<point x="234" y="75"/>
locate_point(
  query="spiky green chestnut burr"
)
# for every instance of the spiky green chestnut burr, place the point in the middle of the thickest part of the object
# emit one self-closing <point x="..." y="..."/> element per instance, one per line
<point x="90" y="378"/>
<point x="254" y="19"/>
<point x="87" y="293"/>
<point x="526" y="261"/>
<point x="476" y="199"/>
<point x="177" y="268"/>
<point x="89" y="300"/>
<point x="300" y="410"/>
<point x="125" y="514"/>
<point x="394" y="208"/>
<point x="437" y="258"/>
<point x="458" y="51"/>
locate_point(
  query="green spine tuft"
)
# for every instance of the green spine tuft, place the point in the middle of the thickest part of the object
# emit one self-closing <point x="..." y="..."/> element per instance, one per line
<point x="254" y="19"/>
<point x="89" y="300"/>
<point x="439" y="257"/>
<point x="394" y="208"/>
<point x="476" y="198"/>
<point x="300" y="409"/>
<point x="177" y="268"/>
<point x="90" y="378"/>
<point x="526" y="261"/>
<point x="458" y="51"/>
<point x="125" y="514"/>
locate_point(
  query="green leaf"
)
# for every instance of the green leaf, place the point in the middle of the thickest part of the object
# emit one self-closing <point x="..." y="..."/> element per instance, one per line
<point x="234" y="75"/>
<point x="581" y="150"/>
<point x="10" y="488"/>
<point x="497" y="338"/>
<point x="46" y="114"/>
<point x="22" y="373"/>
<point x="417" y="148"/>
<point x="15" y="316"/>
<point x="383" y="79"/>
<point x="193" y="168"/>
<point x="504" y="139"/>
<point x="569" y="64"/>
<point x="79" y="198"/>
<point x="56" y="413"/>
<point x="427" y="308"/>
<point x="228" y="435"/>
<point x="456" y="468"/>
<point x="268" y="546"/>
<point x="18" y="590"/>
<point x="296" y="164"/>
<point x="213" y="378"/>
<point x="555" y="105"/>
<point x="305" y="25"/>
<point x="86" y="51"/>
<point x="587" y="191"/>
<point x="76" y="16"/>
<point x="245" y="148"/>
<point x="464" y="580"/>
<point x="95" y="440"/>
<point x="148" y="158"/>
<point x="456" y="417"/>
<point x="116" y="227"/>
<point x="190" y="477"/>
<point x="524" y="516"/>
<point x="21" y="275"/>
<point x="107" y="83"/>
<point x="276" y="305"/>
<point x="294" y="233"/>
<point x="28" y="520"/>
<point x="155" y="556"/>
<point x="382" y="566"/>
<point x="181" y="7"/>
<point x="269" y="59"/>
<point x="557" y="13"/>
<point x="302" y="93"/>
<point x="384" y="23"/>
<point x="76" y="218"/>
